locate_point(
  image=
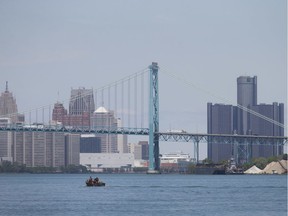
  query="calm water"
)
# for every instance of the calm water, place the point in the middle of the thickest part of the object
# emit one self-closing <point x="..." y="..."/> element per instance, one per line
<point x="136" y="194"/>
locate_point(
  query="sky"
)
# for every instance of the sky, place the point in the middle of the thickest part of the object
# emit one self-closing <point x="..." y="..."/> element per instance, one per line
<point x="49" y="47"/>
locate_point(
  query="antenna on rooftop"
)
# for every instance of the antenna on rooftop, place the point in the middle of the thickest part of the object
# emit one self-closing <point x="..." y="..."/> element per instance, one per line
<point x="6" y="86"/>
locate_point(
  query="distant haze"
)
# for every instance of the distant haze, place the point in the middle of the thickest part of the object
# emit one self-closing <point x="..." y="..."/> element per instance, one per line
<point x="49" y="47"/>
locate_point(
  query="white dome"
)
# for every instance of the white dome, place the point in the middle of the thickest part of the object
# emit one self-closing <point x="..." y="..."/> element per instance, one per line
<point x="101" y="110"/>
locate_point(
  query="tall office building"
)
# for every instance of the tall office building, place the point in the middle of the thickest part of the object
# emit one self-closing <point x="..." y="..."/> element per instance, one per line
<point x="140" y="150"/>
<point x="8" y="107"/>
<point x="38" y="148"/>
<point x="104" y="119"/>
<point x="6" y="145"/>
<point x="81" y="101"/>
<point x="81" y="108"/>
<point x="59" y="114"/>
<point x="259" y="126"/>
<point x="228" y="119"/>
<point x="122" y="140"/>
<point x="222" y="119"/>
<point x="145" y="149"/>
<point x="89" y="143"/>
<point x="72" y="149"/>
<point x="246" y="97"/>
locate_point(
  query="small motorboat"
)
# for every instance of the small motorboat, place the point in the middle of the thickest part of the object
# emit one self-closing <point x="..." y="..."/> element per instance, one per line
<point x="90" y="182"/>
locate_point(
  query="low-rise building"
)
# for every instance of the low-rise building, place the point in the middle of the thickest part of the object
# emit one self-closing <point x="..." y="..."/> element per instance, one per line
<point x="98" y="162"/>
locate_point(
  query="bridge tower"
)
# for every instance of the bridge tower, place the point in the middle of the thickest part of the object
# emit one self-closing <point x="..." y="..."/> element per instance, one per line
<point x="154" y="162"/>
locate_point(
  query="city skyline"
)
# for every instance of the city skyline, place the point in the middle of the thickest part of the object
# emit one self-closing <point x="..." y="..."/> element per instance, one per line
<point x="47" y="49"/>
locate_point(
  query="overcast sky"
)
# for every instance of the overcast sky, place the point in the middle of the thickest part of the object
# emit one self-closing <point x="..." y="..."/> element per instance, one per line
<point x="49" y="47"/>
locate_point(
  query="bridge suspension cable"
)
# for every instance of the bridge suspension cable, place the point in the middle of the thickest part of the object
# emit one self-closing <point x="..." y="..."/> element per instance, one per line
<point x="191" y="84"/>
<point x="99" y="99"/>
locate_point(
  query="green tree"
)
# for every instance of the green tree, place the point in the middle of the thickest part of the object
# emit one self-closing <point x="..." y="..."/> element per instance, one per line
<point x="191" y="168"/>
<point x="260" y="162"/>
<point x="207" y="161"/>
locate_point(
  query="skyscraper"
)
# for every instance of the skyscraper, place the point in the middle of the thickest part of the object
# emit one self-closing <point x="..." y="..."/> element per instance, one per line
<point x="228" y="119"/>
<point x="259" y="126"/>
<point x="59" y="114"/>
<point x="81" y="101"/>
<point x="221" y="120"/>
<point x="8" y="107"/>
<point x="81" y="108"/>
<point x="38" y="148"/>
<point x="72" y="149"/>
<point x="6" y="145"/>
<point x="104" y="119"/>
<point x="246" y="97"/>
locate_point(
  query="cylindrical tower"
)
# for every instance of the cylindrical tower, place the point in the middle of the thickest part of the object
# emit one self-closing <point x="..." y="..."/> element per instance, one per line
<point x="246" y="97"/>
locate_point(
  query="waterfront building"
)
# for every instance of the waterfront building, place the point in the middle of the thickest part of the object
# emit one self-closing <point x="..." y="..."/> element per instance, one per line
<point x="99" y="162"/>
<point x="38" y="148"/>
<point x="136" y="150"/>
<point x="6" y="145"/>
<point x="246" y="97"/>
<point x="144" y="150"/>
<point x="72" y="149"/>
<point x="229" y="119"/>
<point x="174" y="157"/>
<point x="222" y="119"/>
<point x="104" y="119"/>
<point x="259" y="126"/>
<point x="175" y="162"/>
<point x="140" y="150"/>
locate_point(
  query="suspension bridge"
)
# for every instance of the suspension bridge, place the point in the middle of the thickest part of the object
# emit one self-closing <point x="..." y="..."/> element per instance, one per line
<point x="139" y="124"/>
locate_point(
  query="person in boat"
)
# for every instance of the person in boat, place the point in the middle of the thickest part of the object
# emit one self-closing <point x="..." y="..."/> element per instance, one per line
<point x="96" y="180"/>
<point x="90" y="180"/>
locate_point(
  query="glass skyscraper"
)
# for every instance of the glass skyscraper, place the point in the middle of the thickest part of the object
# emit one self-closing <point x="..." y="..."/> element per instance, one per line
<point x="229" y="119"/>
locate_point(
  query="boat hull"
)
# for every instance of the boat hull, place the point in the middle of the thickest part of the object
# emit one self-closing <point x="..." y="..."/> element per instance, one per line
<point x="93" y="184"/>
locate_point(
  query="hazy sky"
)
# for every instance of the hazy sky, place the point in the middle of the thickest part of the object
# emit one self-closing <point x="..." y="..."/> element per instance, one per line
<point x="48" y="47"/>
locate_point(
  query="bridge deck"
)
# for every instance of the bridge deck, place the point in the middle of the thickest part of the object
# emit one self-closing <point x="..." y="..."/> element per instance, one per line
<point x="163" y="136"/>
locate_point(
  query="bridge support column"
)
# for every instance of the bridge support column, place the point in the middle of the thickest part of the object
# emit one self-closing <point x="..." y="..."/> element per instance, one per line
<point x="154" y="161"/>
<point x="196" y="151"/>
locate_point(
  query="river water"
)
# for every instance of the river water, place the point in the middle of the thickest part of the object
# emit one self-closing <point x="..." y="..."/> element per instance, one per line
<point x="141" y="194"/>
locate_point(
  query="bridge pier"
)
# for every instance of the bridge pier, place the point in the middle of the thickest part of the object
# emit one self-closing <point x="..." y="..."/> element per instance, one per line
<point x="154" y="161"/>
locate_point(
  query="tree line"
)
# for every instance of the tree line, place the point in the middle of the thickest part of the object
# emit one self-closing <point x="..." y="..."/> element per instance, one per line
<point x="9" y="167"/>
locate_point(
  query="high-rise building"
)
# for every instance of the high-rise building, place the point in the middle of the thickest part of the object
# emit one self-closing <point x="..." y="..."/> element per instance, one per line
<point x="104" y="119"/>
<point x="221" y="120"/>
<point x="81" y="108"/>
<point x="228" y="119"/>
<point x="38" y="148"/>
<point x="140" y="150"/>
<point x="59" y="114"/>
<point x="72" y="149"/>
<point x="8" y="107"/>
<point x="246" y="97"/>
<point x="81" y="101"/>
<point x="259" y="126"/>
<point x="122" y="140"/>
<point x="145" y="150"/>
<point x="89" y="143"/>
<point x="6" y="145"/>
